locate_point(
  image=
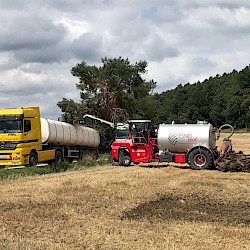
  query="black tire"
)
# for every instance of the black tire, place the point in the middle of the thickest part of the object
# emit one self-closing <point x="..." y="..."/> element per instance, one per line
<point x="124" y="160"/>
<point x="32" y="159"/>
<point x="200" y="159"/>
<point x="120" y="157"/>
<point x="58" y="157"/>
<point x="81" y="158"/>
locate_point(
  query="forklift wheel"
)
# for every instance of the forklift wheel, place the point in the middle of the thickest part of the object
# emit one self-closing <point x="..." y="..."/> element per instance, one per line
<point x="126" y="161"/>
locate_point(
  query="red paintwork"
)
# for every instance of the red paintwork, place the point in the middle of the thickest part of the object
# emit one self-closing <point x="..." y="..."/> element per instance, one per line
<point x="180" y="158"/>
<point x="139" y="152"/>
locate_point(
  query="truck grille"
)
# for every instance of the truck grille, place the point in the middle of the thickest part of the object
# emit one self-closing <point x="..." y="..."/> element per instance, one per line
<point x="8" y="145"/>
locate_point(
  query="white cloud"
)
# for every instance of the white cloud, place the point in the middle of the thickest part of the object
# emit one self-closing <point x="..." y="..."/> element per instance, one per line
<point x="183" y="41"/>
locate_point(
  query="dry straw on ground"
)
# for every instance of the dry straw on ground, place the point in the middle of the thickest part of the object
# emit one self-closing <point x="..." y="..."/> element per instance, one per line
<point x="128" y="208"/>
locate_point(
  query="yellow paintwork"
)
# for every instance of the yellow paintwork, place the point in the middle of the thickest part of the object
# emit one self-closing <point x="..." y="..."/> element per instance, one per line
<point x="28" y="140"/>
<point x="46" y="155"/>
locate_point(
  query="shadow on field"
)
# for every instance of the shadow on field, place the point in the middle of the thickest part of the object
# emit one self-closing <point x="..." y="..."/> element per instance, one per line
<point x="192" y="207"/>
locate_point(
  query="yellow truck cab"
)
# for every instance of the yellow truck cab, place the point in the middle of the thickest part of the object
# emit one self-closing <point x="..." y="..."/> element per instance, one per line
<point x="20" y="137"/>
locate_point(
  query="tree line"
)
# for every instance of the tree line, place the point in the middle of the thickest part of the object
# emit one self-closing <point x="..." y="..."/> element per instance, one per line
<point x="218" y="100"/>
<point x="116" y="91"/>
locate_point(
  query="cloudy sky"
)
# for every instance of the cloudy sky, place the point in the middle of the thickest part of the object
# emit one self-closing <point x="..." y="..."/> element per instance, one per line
<point x="182" y="40"/>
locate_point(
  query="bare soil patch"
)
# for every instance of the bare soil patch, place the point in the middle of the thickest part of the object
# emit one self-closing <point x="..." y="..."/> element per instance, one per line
<point x="191" y="207"/>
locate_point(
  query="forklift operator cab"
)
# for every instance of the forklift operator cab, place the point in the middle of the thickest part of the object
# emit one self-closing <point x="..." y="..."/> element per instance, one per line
<point x="139" y="130"/>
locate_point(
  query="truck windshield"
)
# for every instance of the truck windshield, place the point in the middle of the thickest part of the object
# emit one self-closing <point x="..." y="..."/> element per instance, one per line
<point x="10" y="125"/>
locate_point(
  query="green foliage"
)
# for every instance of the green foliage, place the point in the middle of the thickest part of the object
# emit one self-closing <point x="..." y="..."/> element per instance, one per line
<point x="104" y="159"/>
<point x="85" y="163"/>
<point x="111" y="92"/>
<point x="117" y="84"/>
<point x="27" y="171"/>
<point x="59" y="167"/>
<point x="13" y="173"/>
<point x="72" y="112"/>
<point x="219" y="100"/>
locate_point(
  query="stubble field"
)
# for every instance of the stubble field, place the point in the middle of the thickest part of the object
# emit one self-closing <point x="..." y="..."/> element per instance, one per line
<point x="139" y="207"/>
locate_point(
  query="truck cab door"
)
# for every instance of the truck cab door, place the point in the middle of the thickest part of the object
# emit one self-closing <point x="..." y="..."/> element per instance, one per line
<point x="29" y="136"/>
<point x="32" y="132"/>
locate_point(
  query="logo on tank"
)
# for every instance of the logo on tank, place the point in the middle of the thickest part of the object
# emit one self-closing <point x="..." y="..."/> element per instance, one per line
<point x="173" y="138"/>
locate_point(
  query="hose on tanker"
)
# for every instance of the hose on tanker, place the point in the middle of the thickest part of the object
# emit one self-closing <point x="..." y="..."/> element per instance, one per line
<point x="225" y="126"/>
<point x="228" y="159"/>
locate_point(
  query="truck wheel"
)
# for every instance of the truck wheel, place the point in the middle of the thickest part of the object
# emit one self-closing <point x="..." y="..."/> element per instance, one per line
<point x="58" y="156"/>
<point x="200" y="158"/>
<point x="32" y="159"/>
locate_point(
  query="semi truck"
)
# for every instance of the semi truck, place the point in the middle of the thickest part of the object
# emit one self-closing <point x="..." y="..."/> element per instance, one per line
<point x="28" y="139"/>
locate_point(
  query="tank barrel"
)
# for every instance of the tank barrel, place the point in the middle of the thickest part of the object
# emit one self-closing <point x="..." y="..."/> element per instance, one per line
<point x="180" y="138"/>
<point x="63" y="133"/>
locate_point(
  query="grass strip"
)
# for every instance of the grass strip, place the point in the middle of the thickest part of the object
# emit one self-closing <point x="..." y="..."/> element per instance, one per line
<point x="13" y="173"/>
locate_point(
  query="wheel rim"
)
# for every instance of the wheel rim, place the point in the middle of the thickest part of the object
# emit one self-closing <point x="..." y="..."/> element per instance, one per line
<point x="32" y="160"/>
<point x="126" y="161"/>
<point x="200" y="160"/>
